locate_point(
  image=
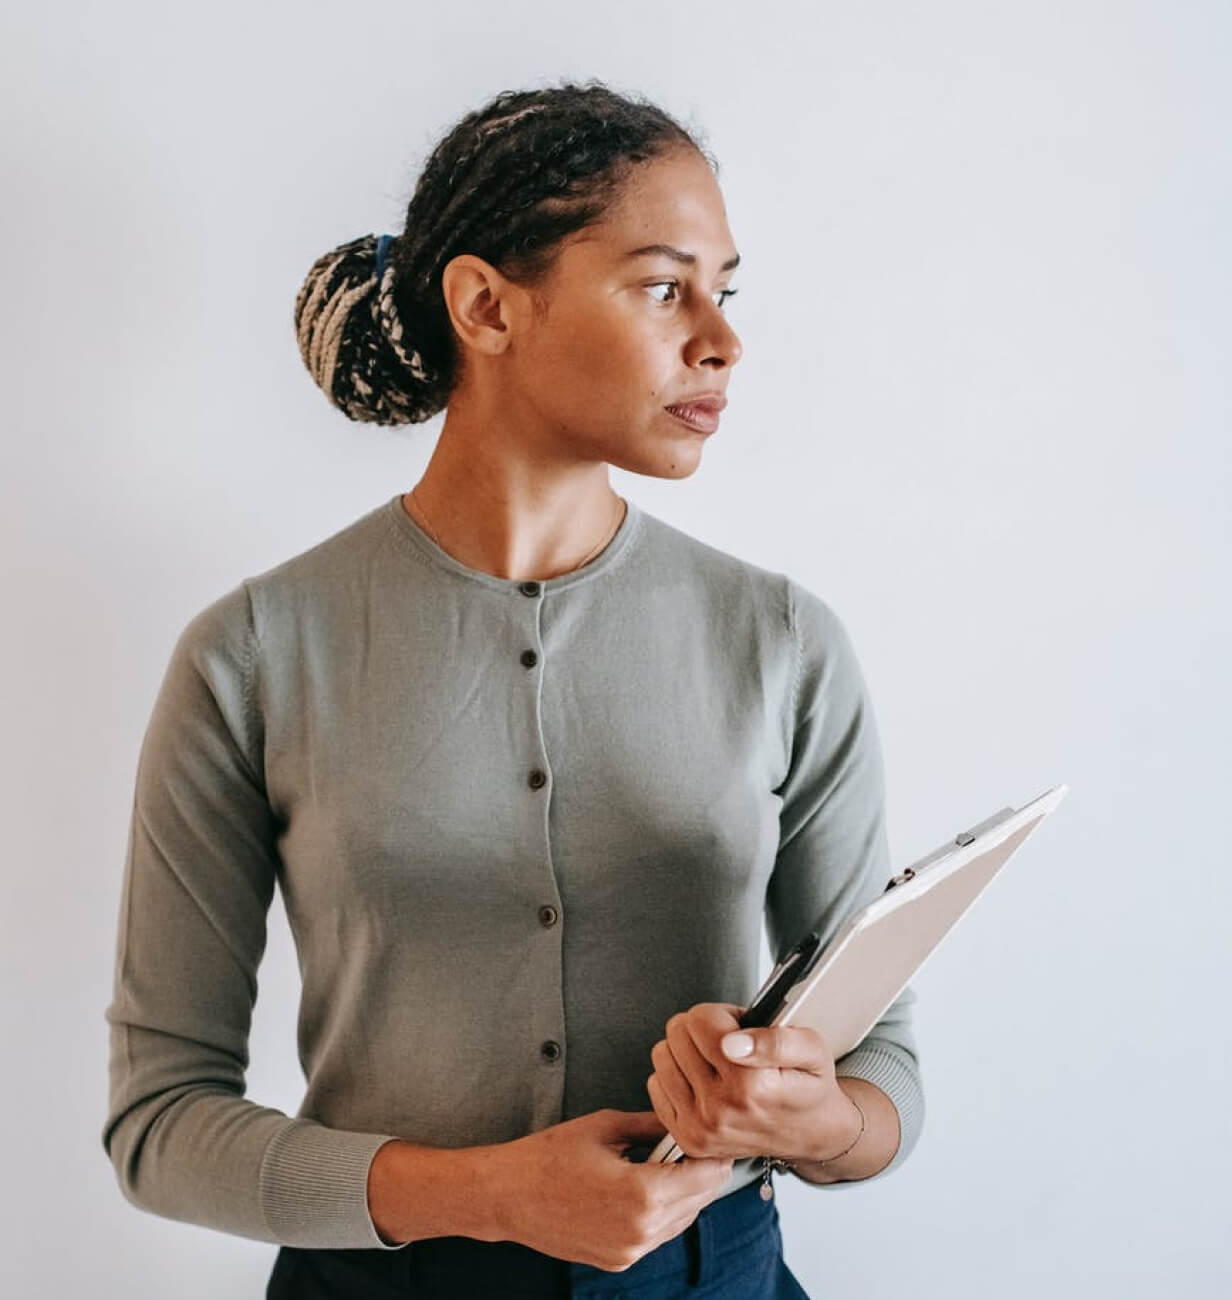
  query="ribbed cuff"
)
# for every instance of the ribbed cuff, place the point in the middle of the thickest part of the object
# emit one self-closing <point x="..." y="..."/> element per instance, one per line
<point x="314" y="1187"/>
<point x="894" y="1071"/>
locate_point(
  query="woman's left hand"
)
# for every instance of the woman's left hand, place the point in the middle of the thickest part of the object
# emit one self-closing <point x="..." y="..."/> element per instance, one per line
<point x="782" y="1099"/>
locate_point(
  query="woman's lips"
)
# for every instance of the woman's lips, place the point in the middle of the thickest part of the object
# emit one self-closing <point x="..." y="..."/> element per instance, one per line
<point x="702" y="416"/>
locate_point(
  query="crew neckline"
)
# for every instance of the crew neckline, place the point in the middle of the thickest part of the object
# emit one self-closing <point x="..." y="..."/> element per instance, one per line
<point x="608" y="558"/>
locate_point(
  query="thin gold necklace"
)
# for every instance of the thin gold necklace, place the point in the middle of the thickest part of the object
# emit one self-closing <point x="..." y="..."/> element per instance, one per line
<point x="618" y="501"/>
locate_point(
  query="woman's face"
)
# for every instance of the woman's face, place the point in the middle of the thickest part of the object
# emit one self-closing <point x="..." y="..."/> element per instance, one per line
<point x="627" y="334"/>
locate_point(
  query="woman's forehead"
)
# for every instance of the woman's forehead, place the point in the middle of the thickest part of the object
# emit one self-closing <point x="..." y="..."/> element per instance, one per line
<point x="686" y="247"/>
<point x="685" y="231"/>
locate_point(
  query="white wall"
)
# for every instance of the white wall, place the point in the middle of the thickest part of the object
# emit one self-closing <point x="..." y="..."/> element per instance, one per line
<point x="983" y="410"/>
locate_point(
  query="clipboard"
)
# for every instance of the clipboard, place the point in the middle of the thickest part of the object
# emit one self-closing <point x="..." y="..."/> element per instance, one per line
<point x="843" y="991"/>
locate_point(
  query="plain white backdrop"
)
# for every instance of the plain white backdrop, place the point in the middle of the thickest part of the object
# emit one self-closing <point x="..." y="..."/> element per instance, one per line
<point x="983" y="410"/>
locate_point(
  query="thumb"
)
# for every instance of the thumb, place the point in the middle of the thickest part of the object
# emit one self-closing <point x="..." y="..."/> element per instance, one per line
<point x="792" y="1046"/>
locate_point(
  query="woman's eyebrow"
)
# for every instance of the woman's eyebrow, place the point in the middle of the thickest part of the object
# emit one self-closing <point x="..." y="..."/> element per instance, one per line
<point x="678" y="255"/>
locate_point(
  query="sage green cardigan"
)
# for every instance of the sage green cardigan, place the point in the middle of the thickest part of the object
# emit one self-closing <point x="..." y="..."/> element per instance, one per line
<point x="516" y="826"/>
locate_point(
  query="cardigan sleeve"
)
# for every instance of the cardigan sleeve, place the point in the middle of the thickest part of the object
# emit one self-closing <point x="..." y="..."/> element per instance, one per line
<point x="833" y="854"/>
<point x="199" y="876"/>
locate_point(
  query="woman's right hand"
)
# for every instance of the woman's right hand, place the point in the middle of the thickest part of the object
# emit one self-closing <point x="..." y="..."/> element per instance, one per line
<point x="569" y="1191"/>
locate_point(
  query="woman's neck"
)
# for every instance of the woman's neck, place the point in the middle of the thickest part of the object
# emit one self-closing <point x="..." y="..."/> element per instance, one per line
<point x="499" y="513"/>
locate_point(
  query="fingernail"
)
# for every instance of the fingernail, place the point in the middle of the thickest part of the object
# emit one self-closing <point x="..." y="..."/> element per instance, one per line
<point x="737" y="1045"/>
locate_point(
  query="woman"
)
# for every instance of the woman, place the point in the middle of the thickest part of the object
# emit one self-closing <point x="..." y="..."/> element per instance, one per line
<point x="530" y="767"/>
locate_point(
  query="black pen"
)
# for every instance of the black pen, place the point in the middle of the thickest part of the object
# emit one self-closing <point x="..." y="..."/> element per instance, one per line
<point x="765" y="1006"/>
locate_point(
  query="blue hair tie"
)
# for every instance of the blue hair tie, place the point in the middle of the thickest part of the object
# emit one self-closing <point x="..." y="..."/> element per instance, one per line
<point x="382" y="248"/>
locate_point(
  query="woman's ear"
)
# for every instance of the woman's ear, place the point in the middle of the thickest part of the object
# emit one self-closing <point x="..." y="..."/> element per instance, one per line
<point x="486" y="308"/>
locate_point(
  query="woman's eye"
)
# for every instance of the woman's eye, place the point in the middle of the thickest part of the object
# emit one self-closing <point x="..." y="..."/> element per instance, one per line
<point x="723" y="294"/>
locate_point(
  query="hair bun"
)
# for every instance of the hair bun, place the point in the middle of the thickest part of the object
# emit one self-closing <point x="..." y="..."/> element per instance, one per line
<point x="351" y="337"/>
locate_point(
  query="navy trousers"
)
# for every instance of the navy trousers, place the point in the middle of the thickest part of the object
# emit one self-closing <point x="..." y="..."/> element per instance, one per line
<point x="733" y="1250"/>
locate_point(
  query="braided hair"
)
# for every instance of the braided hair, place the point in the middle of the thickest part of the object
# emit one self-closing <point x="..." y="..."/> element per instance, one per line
<point x="508" y="184"/>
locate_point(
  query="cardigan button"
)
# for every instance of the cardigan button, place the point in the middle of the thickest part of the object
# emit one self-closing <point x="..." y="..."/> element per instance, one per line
<point x="529" y="658"/>
<point x="537" y="778"/>
<point x="550" y="1050"/>
<point x="530" y="588"/>
<point x="548" y="915"/>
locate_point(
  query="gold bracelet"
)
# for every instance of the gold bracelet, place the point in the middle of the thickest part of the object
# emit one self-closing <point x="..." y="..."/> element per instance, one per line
<point x="780" y="1166"/>
<point x="859" y="1135"/>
